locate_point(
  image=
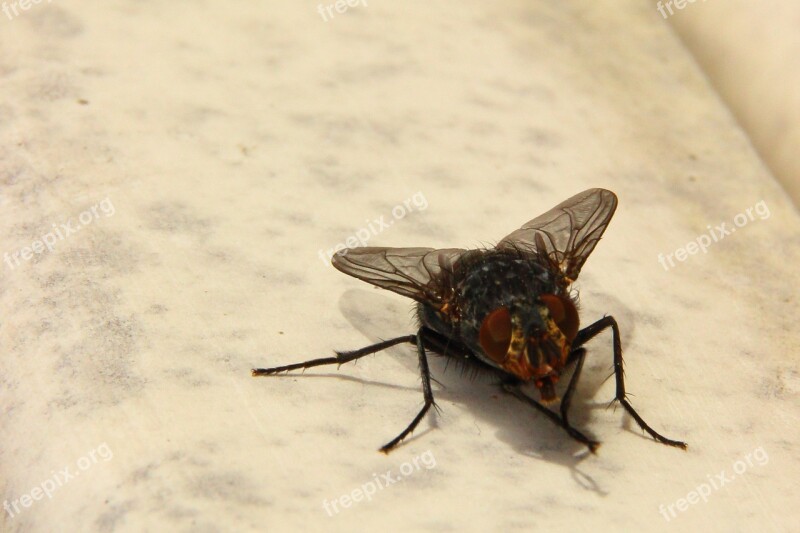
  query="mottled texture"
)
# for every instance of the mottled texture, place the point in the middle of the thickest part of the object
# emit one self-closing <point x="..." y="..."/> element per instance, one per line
<point x="239" y="142"/>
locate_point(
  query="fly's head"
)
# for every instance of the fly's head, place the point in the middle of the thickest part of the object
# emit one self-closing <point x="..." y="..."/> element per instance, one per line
<point x="532" y="340"/>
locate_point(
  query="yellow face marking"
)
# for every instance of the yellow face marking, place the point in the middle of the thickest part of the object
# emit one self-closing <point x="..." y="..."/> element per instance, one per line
<point x="516" y="360"/>
<point x="520" y="361"/>
<point x="555" y="334"/>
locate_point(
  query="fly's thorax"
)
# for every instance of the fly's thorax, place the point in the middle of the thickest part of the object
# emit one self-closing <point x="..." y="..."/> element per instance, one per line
<point x="497" y="281"/>
<point x="439" y="319"/>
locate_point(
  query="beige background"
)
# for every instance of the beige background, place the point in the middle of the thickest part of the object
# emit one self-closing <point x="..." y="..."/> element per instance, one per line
<point x="750" y="52"/>
<point x="235" y="140"/>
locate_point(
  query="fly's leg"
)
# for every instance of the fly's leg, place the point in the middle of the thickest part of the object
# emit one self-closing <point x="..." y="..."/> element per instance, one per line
<point x="578" y="355"/>
<point x="345" y="357"/>
<point x="427" y="394"/>
<point x="514" y="390"/>
<point x="588" y="333"/>
<point x="339" y="359"/>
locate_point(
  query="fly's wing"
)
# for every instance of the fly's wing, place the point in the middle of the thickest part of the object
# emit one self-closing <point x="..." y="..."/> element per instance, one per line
<point x="412" y="272"/>
<point x="567" y="234"/>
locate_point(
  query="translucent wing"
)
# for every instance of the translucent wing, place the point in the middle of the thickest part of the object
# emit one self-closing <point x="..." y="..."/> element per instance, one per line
<point x="567" y="234"/>
<point x="412" y="272"/>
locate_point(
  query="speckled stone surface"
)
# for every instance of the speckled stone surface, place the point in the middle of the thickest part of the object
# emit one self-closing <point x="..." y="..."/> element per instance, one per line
<point x="203" y="156"/>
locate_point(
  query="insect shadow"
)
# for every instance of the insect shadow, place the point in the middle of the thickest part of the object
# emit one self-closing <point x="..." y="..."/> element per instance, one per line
<point x="377" y="316"/>
<point x="508" y="312"/>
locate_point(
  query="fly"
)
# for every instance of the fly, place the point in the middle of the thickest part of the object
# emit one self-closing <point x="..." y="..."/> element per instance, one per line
<point x="507" y="309"/>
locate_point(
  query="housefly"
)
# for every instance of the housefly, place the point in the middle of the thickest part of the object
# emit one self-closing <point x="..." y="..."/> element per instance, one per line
<point x="506" y="310"/>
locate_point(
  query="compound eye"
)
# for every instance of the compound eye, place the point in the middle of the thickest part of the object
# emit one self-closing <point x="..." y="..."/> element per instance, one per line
<point x="495" y="334"/>
<point x="564" y="313"/>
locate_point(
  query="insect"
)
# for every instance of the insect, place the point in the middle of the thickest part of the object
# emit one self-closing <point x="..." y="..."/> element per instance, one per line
<point x="506" y="310"/>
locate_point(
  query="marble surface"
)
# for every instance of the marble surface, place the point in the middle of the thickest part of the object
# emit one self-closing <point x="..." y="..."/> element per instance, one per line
<point x="204" y="155"/>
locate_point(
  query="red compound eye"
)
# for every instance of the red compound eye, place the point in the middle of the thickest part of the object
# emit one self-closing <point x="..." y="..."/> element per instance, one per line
<point x="495" y="334"/>
<point x="564" y="314"/>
